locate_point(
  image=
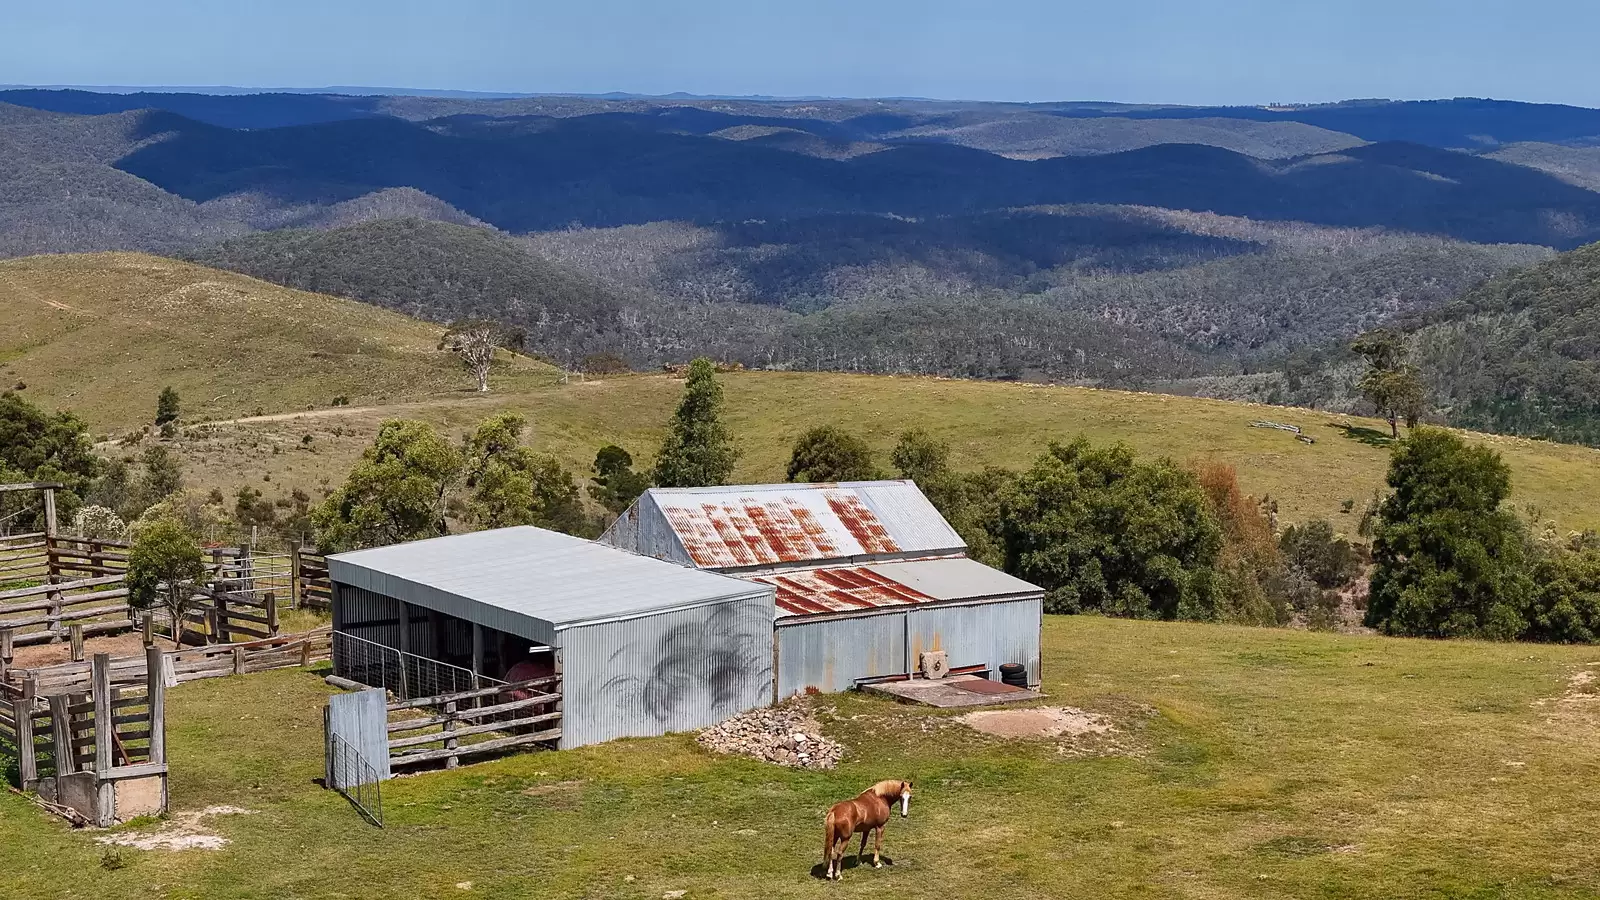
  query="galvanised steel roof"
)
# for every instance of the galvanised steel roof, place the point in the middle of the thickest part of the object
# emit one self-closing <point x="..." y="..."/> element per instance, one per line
<point x="530" y="581"/>
<point x="750" y="527"/>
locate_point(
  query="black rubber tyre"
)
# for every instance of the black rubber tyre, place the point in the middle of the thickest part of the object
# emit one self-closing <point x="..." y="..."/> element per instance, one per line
<point x="1014" y="674"/>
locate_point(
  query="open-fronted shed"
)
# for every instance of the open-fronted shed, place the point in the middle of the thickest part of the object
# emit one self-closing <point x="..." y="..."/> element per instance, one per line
<point x="867" y="576"/>
<point x="643" y="647"/>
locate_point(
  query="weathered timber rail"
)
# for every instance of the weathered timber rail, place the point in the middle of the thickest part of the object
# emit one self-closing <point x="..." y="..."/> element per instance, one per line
<point x="431" y="729"/>
<point x="178" y="666"/>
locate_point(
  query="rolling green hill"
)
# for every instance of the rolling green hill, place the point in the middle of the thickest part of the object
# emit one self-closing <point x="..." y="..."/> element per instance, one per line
<point x="103" y="333"/>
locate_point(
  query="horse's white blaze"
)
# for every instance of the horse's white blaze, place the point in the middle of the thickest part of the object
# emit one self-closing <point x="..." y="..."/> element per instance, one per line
<point x="905" y="804"/>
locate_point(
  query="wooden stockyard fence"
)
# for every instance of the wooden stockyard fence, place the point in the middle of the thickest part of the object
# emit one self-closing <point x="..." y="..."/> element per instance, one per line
<point x="93" y="751"/>
<point x="55" y="587"/>
<point x="178" y="666"/>
<point x="430" y="729"/>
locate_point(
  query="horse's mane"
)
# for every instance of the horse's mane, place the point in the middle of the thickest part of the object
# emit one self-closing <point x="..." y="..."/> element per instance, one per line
<point x="889" y="788"/>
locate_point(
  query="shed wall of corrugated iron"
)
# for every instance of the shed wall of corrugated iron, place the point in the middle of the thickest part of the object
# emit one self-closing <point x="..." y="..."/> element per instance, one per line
<point x="672" y="671"/>
<point x="643" y="529"/>
<point x="829" y="655"/>
<point x="986" y="634"/>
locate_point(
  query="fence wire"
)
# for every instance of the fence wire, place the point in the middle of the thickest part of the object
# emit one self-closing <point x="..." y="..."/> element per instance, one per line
<point x="405" y="675"/>
<point x="352" y="775"/>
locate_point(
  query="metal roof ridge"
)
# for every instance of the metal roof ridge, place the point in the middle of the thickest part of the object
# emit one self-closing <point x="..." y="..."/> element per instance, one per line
<point x="781" y="486"/>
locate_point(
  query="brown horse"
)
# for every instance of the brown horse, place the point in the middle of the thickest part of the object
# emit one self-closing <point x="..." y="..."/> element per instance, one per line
<point x="866" y="814"/>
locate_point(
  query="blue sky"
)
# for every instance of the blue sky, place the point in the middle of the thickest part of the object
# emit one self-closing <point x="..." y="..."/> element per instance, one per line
<point x="1173" y="51"/>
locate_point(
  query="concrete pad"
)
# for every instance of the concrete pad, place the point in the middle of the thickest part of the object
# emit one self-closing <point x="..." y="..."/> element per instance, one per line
<point x="948" y="693"/>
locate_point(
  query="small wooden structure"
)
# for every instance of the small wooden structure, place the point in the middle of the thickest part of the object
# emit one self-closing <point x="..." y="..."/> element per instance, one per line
<point x="97" y="758"/>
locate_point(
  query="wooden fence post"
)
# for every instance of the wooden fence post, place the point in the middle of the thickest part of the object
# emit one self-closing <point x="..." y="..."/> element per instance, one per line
<point x="7" y="651"/>
<point x="75" y="634"/>
<point x="100" y="672"/>
<point x="54" y="598"/>
<point x="147" y="624"/>
<point x="61" y="732"/>
<point x="449" y="727"/>
<point x="294" y="575"/>
<point x="272" y="613"/>
<point x="156" y="692"/>
<point x="49" y="514"/>
<point x="219" y="590"/>
<point x="104" y="735"/>
<point x="238" y="660"/>
<point x="27" y="762"/>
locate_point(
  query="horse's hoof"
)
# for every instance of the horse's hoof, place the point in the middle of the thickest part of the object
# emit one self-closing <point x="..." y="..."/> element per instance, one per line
<point x="876" y="864"/>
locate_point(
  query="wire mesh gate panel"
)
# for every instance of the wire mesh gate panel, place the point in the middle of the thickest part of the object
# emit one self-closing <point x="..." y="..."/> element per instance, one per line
<point x="357" y="759"/>
<point x="406" y="675"/>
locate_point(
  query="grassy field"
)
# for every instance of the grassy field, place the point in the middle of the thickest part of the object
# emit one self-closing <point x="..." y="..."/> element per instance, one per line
<point x="102" y="333"/>
<point x="1248" y="763"/>
<point x="985" y="422"/>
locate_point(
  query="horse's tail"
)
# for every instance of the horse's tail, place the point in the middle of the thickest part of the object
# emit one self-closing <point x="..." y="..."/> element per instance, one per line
<point x="827" y="840"/>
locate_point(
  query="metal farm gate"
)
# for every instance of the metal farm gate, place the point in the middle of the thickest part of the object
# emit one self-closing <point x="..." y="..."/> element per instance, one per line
<point x="357" y="757"/>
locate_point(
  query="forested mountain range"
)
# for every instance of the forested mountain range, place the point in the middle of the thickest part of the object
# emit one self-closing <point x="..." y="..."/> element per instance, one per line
<point x="1229" y="251"/>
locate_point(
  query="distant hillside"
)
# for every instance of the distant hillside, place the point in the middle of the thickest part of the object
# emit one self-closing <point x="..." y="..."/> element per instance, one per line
<point x="531" y="176"/>
<point x="1521" y="354"/>
<point x="429" y="270"/>
<point x="1008" y="128"/>
<point x="104" y="333"/>
<point x="1574" y="165"/>
<point x="574" y="303"/>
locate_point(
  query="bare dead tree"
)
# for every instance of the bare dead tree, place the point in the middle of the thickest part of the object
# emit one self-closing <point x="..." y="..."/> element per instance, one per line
<point x="476" y="341"/>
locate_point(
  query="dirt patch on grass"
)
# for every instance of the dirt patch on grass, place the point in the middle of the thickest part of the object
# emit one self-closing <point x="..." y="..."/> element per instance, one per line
<point x="184" y="831"/>
<point x="556" y="794"/>
<point x="36" y="655"/>
<point x="1037" y="722"/>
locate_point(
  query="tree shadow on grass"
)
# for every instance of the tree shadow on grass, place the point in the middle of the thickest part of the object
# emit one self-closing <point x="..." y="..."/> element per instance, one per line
<point x="1370" y="436"/>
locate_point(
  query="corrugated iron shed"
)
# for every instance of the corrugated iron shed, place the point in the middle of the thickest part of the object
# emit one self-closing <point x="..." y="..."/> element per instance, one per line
<point x="531" y="582"/>
<point x="776" y="525"/>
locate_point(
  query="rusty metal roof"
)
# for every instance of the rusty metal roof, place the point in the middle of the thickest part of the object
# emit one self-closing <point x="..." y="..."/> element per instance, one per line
<point x="847" y="589"/>
<point x="773" y="525"/>
<point x="805" y="592"/>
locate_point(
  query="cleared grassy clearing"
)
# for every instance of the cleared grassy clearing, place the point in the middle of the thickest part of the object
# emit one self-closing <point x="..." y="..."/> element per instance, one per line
<point x="985" y="423"/>
<point x="1250" y="763"/>
<point x="103" y="333"/>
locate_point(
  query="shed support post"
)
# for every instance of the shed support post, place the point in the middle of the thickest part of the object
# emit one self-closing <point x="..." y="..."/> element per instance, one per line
<point x="405" y="627"/>
<point x="478" y="640"/>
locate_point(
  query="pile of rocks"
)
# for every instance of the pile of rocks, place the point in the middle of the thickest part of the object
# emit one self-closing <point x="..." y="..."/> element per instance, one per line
<point x="785" y="734"/>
